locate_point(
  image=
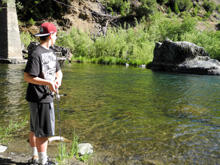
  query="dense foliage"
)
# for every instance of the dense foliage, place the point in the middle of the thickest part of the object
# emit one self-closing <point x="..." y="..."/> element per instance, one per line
<point x="183" y="5"/>
<point x="135" y="45"/>
<point x="146" y="7"/>
<point x="209" y="6"/>
<point x="40" y="9"/>
<point x="131" y="8"/>
<point x="118" y="46"/>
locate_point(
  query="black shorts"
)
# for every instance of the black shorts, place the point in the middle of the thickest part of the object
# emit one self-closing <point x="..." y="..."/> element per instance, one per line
<point x="42" y="119"/>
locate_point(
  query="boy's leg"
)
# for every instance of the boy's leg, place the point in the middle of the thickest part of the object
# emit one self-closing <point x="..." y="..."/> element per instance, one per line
<point x="32" y="139"/>
<point x="44" y="125"/>
<point x="42" y="143"/>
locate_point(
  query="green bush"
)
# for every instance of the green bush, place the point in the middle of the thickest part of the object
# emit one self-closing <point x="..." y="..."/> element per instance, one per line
<point x="176" y="8"/>
<point x="207" y="14"/>
<point x="125" y="44"/>
<point x="209" y="6"/>
<point x="209" y="40"/>
<point x="218" y="8"/>
<point x="78" y="41"/>
<point x="26" y="38"/>
<point x="31" y="22"/>
<point x="169" y="11"/>
<point x="183" y="5"/>
<point x="147" y="7"/>
<point x="118" y="46"/>
<point x="118" y="6"/>
<point x="125" y="8"/>
<point x="162" y="27"/>
<point x="185" y="14"/>
<point x="195" y="11"/>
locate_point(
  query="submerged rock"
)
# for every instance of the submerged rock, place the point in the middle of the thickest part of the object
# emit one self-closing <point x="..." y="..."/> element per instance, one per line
<point x="85" y="148"/>
<point x="2" y="148"/>
<point x="184" y="57"/>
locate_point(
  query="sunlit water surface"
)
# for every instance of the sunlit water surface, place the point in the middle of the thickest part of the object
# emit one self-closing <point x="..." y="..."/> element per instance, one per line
<point x="130" y="115"/>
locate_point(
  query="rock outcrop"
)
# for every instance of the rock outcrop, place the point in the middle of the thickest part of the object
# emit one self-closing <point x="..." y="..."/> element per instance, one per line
<point x="184" y="57"/>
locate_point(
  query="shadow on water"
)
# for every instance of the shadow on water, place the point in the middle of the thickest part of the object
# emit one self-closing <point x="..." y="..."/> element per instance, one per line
<point x="132" y="115"/>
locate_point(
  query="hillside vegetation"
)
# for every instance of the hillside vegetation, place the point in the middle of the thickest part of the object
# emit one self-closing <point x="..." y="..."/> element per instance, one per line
<point x="128" y="28"/>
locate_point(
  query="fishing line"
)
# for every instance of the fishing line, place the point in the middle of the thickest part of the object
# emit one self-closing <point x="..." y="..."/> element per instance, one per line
<point x="58" y="100"/>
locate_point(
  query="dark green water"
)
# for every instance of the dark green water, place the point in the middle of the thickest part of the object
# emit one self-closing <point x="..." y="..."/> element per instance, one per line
<point x="130" y="115"/>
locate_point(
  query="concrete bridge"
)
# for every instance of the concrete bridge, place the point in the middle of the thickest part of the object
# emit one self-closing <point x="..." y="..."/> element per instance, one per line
<point x="10" y="43"/>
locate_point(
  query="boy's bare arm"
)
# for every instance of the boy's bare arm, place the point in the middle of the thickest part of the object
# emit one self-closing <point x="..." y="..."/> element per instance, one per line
<point x="59" y="76"/>
<point x="39" y="81"/>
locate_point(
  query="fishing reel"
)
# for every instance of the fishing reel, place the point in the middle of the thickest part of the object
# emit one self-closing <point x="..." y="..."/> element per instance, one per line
<point x="57" y="95"/>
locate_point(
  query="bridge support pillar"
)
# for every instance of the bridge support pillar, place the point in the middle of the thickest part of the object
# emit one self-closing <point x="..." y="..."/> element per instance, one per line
<point x="10" y="43"/>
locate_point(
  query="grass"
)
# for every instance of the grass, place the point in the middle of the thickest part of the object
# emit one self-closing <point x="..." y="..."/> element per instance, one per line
<point x="65" y="156"/>
<point x="6" y="133"/>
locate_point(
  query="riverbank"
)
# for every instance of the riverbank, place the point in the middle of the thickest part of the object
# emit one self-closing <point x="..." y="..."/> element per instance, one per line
<point x="14" y="149"/>
<point x="18" y="153"/>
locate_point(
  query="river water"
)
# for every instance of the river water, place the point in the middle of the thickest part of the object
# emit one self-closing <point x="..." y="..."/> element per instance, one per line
<point x="130" y="115"/>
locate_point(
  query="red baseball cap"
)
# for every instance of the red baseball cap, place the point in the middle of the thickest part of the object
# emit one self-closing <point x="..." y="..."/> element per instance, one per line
<point x="46" y="29"/>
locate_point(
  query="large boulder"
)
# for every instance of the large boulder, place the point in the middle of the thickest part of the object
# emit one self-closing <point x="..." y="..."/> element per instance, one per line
<point x="184" y="57"/>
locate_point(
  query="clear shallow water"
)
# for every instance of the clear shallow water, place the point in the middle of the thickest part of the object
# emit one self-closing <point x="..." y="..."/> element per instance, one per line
<point x="130" y="115"/>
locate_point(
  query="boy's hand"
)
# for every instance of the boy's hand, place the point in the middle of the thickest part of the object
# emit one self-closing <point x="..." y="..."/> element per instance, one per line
<point x="52" y="86"/>
<point x="58" y="83"/>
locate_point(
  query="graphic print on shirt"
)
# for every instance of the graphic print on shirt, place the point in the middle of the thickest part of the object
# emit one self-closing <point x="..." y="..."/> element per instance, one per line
<point x="49" y="66"/>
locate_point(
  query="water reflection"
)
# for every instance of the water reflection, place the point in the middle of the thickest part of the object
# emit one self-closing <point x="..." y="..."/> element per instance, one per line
<point x="12" y="91"/>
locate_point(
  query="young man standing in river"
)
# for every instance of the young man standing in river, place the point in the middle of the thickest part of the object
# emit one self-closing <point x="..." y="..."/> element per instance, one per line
<point x="44" y="77"/>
